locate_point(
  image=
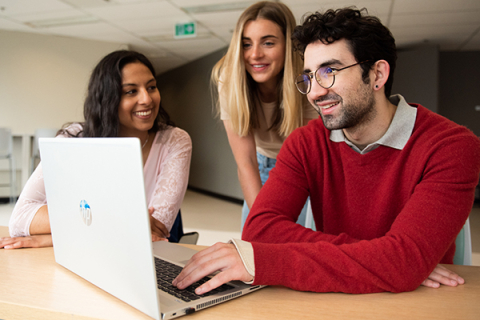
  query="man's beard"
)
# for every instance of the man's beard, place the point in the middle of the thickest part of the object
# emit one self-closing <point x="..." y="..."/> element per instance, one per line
<point x="360" y="111"/>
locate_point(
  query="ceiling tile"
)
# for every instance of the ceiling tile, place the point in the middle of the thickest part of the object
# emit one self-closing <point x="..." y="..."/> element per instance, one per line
<point x="84" y="30"/>
<point x="443" y="36"/>
<point x="182" y="45"/>
<point x="379" y="8"/>
<point x="15" y="26"/>
<point x="119" y="12"/>
<point x="88" y="3"/>
<point x="194" y="3"/>
<point x="49" y="15"/>
<point x="415" y="6"/>
<point x="433" y="30"/>
<point x="102" y="3"/>
<point x="436" y="18"/>
<point x="218" y="18"/>
<point x="472" y="43"/>
<point x="151" y="26"/>
<point x="225" y="34"/>
<point x="192" y="49"/>
<point x="16" y="7"/>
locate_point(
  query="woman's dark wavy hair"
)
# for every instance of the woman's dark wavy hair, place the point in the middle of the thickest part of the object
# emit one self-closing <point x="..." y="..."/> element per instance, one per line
<point x="368" y="38"/>
<point x="105" y="92"/>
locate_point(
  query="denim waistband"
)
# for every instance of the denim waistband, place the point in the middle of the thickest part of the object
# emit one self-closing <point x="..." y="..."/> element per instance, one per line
<point x="265" y="162"/>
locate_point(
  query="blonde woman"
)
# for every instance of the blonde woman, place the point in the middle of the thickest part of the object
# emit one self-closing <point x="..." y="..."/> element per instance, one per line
<point x="257" y="100"/>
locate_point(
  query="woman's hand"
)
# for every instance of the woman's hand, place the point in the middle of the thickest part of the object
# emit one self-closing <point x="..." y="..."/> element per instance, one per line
<point x="36" y="241"/>
<point x="442" y="275"/>
<point x="159" y="231"/>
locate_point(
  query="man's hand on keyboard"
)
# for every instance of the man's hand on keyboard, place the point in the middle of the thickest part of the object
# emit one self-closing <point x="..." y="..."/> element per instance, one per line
<point x="221" y="257"/>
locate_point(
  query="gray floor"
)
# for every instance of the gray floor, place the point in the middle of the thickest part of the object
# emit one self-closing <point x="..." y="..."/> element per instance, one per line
<point x="217" y="220"/>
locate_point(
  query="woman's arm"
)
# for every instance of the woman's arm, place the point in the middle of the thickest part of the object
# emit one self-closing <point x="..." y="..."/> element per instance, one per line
<point x="171" y="181"/>
<point x="32" y="201"/>
<point x="40" y="234"/>
<point x="40" y="222"/>
<point x="245" y="154"/>
<point x="38" y="241"/>
<point x="29" y="224"/>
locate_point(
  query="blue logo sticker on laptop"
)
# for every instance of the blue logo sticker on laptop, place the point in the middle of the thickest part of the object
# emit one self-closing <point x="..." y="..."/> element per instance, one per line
<point x="85" y="212"/>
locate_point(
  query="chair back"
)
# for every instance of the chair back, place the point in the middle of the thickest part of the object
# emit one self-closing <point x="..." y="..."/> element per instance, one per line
<point x="6" y="143"/>
<point x="463" y="244"/>
<point x="41" y="133"/>
<point x="189" y="238"/>
<point x="309" y="222"/>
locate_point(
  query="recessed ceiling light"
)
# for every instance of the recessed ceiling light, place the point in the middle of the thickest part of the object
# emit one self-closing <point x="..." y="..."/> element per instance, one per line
<point x="218" y="7"/>
<point x="61" y="22"/>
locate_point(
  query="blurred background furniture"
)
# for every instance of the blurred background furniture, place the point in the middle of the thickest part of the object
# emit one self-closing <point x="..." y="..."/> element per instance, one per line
<point x="178" y="236"/>
<point x="189" y="238"/>
<point x="463" y="243"/>
<point x="477" y="192"/>
<point x="40" y="133"/>
<point x="6" y="153"/>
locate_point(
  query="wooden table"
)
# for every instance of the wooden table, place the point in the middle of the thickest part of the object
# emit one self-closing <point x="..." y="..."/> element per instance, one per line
<point x="33" y="286"/>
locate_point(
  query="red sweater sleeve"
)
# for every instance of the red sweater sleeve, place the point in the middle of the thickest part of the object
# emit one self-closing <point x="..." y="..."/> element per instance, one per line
<point x="385" y="219"/>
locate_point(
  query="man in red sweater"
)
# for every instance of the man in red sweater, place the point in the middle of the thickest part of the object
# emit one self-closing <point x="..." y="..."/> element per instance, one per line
<point x="391" y="184"/>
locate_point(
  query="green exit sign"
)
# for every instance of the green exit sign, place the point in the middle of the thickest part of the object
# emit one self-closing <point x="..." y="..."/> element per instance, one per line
<point x="185" y="30"/>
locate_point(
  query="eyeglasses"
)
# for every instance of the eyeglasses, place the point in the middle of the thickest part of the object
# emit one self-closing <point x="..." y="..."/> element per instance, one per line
<point x="325" y="77"/>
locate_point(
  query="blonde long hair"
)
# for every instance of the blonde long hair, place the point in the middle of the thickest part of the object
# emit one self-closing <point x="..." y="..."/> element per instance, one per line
<point x="237" y="88"/>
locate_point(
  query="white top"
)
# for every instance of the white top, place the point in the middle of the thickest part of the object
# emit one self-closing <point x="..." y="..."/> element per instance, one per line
<point x="165" y="174"/>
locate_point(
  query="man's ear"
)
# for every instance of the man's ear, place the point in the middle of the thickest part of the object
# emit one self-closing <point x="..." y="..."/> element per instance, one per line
<point x="381" y="71"/>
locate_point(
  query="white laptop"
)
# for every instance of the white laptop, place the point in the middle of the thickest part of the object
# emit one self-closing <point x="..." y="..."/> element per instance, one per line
<point x="101" y="229"/>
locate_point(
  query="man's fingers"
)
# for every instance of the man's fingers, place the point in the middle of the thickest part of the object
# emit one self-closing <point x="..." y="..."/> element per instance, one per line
<point x="200" y="265"/>
<point x="215" y="282"/>
<point x="195" y="272"/>
<point x="443" y="279"/>
<point x="430" y="283"/>
<point x="220" y="257"/>
<point x="445" y="276"/>
<point x="449" y="274"/>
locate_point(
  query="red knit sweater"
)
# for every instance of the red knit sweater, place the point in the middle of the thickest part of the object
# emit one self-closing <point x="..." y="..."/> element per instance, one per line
<point x="384" y="219"/>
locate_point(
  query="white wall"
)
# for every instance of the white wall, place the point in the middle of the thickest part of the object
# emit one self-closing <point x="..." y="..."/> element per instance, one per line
<point x="43" y="80"/>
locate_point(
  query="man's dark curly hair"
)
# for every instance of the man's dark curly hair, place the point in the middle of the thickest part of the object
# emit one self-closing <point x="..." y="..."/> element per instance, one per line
<point x="367" y="37"/>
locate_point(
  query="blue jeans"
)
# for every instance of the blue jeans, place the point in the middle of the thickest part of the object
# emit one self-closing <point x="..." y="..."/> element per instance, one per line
<point x="266" y="164"/>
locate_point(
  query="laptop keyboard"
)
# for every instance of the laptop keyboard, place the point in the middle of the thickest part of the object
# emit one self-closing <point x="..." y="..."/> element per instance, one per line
<point x="167" y="271"/>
